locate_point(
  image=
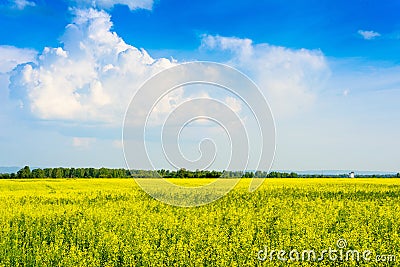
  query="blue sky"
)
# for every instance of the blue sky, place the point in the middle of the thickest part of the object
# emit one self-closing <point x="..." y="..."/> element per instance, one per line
<point x="177" y="25"/>
<point x="329" y="70"/>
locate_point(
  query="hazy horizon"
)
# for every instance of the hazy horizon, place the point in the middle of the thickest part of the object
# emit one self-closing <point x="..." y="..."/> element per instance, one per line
<point x="329" y="71"/>
<point x="14" y="169"/>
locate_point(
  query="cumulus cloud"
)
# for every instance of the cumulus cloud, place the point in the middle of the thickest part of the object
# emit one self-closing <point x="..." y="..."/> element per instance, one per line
<point x="241" y="47"/>
<point x="108" y="4"/>
<point x="290" y="78"/>
<point x="93" y="74"/>
<point x="369" y="35"/>
<point x="91" y="77"/>
<point x="11" y="56"/>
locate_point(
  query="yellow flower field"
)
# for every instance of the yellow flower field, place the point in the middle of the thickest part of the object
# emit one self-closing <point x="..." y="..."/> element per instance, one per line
<point x="112" y="222"/>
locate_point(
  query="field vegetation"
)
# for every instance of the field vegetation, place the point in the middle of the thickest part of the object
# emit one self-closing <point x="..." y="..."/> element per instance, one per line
<point x="112" y="222"/>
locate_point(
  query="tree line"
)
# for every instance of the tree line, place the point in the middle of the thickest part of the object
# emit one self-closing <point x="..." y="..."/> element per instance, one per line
<point x="61" y="172"/>
<point x="26" y="172"/>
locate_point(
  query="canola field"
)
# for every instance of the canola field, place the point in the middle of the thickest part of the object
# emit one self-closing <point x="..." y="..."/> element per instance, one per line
<point x="286" y="222"/>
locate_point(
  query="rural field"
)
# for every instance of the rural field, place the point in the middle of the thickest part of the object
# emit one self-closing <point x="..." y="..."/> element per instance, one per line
<point x="112" y="222"/>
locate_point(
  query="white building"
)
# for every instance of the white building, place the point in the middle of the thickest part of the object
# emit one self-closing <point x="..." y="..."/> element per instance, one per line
<point x="351" y="175"/>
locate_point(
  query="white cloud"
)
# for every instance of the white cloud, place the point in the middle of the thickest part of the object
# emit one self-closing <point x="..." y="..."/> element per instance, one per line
<point x="93" y="75"/>
<point x="108" y="4"/>
<point x="21" y="4"/>
<point x="289" y="78"/>
<point x="369" y="35"/>
<point x="90" y="78"/>
<point x="241" y="47"/>
<point x="11" y="56"/>
<point x="165" y="105"/>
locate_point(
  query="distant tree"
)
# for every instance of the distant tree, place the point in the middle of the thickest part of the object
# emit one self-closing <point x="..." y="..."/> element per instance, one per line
<point x="274" y="175"/>
<point x="125" y="173"/>
<point x="72" y="173"/>
<point x="25" y="172"/>
<point x="398" y="175"/>
<point x="38" y="173"/>
<point x="104" y="173"/>
<point x="215" y="174"/>
<point x="92" y="173"/>
<point x="5" y="176"/>
<point x="181" y="173"/>
<point x="66" y="172"/>
<point x="258" y="174"/>
<point x="57" y="173"/>
<point x="80" y="173"/>
<point x="248" y="175"/>
<point x="162" y="172"/>
<point x="47" y="172"/>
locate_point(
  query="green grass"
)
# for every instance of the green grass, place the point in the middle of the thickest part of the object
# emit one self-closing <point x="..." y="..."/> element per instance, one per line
<point x="112" y="222"/>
